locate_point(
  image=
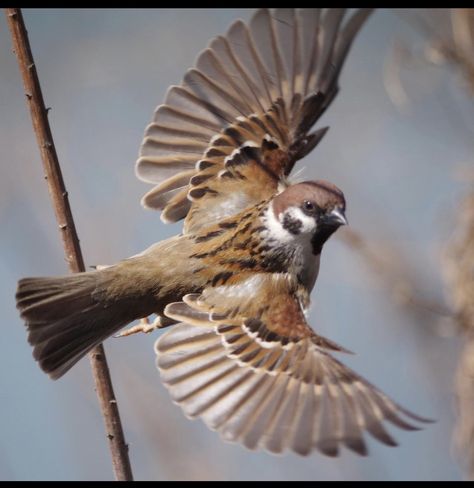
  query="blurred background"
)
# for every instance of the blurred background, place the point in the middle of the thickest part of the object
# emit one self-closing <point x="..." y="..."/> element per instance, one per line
<point x="396" y="287"/>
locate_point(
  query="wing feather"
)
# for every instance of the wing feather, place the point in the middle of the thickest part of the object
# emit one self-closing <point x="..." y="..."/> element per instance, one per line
<point x="268" y="81"/>
<point x="260" y="376"/>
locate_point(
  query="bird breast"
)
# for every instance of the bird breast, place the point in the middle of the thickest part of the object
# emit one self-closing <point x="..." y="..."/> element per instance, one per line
<point x="309" y="271"/>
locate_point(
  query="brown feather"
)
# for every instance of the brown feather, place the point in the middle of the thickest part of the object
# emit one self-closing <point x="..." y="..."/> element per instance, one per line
<point x="274" y="78"/>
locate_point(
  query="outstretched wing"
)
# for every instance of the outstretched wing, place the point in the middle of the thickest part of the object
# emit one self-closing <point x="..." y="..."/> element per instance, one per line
<point x="232" y="131"/>
<point x="258" y="374"/>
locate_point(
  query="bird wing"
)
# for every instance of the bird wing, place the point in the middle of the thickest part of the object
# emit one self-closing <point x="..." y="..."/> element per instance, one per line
<point x="254" y="370"/>
<point x="232" y="131"/>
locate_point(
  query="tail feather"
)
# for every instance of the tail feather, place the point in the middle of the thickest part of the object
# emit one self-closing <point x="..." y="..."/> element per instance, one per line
<point x="56" y="356"/>
<point x="67" y="316"/>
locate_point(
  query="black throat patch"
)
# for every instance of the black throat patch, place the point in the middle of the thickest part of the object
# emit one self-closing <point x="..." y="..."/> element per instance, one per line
<point x="322" y="234"/>
<point x="292" y="225"/>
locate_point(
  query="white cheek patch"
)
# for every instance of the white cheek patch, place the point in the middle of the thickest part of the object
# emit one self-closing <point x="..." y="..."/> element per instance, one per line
<point x="307" y="222"/>
<point x="304" y="224"/>
<point x="275" y="228"/>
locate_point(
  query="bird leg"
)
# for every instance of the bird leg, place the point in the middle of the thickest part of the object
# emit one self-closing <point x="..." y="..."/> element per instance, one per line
<point x="144" y="326"/>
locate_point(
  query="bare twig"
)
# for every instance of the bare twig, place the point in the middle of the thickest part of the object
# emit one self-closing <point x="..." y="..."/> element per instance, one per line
<point x="58" y="193"/>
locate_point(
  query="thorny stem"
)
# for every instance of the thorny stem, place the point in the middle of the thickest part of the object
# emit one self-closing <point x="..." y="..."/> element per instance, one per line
<point x="59" y="197"/>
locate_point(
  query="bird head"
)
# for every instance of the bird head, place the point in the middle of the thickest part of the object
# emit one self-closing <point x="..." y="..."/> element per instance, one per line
<point x="311" y="209"/>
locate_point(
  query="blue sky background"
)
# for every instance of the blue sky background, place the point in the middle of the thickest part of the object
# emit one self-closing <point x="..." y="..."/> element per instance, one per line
<point x="103" y="72"/>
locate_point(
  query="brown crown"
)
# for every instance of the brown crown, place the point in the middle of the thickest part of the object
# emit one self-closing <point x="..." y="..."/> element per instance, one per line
<point x="325" y="194"/>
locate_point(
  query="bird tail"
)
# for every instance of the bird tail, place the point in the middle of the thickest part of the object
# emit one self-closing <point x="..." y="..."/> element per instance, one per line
<point x="67" y="316"/>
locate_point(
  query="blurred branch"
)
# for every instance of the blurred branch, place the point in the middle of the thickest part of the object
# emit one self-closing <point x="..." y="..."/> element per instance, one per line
<point x="393" y="271"/>
<point x="449" y="40"/>
<point x="59" y="197"/>
<point x="459" y="274"/>
<point x="459" y="49"/>
<point x="449" y="36"/>
<point x="392" y="78"/>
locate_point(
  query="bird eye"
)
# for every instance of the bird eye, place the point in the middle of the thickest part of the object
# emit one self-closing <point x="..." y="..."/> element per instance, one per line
<point x="309" y="207"/>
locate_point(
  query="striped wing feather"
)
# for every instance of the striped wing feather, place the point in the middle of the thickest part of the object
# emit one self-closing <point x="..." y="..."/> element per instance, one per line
<point x="260" y="86"/>
<point x="264" y="384"/>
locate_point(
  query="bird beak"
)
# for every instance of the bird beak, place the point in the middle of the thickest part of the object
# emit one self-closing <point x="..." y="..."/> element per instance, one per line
<point x="336" y="217"/>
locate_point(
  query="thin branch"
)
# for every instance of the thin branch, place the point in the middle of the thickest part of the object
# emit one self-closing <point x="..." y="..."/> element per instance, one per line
<point x="59" y="196"/>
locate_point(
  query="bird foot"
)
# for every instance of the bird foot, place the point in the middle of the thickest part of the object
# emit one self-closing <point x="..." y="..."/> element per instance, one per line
<point x="144" y="326"/>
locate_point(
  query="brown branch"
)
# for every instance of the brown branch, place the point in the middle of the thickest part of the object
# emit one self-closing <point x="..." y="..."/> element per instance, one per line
<point x="59" y="196"/>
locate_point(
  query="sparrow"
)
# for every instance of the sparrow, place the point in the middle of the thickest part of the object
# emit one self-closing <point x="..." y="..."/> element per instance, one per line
<point x="234" y="287"/>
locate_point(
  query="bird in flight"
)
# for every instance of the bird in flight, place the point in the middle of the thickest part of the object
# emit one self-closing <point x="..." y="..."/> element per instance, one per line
<point x="234" y="288"/>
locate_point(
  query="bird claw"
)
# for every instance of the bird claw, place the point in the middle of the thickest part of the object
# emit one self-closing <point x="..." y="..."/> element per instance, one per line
<point x="143" y="326"/>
